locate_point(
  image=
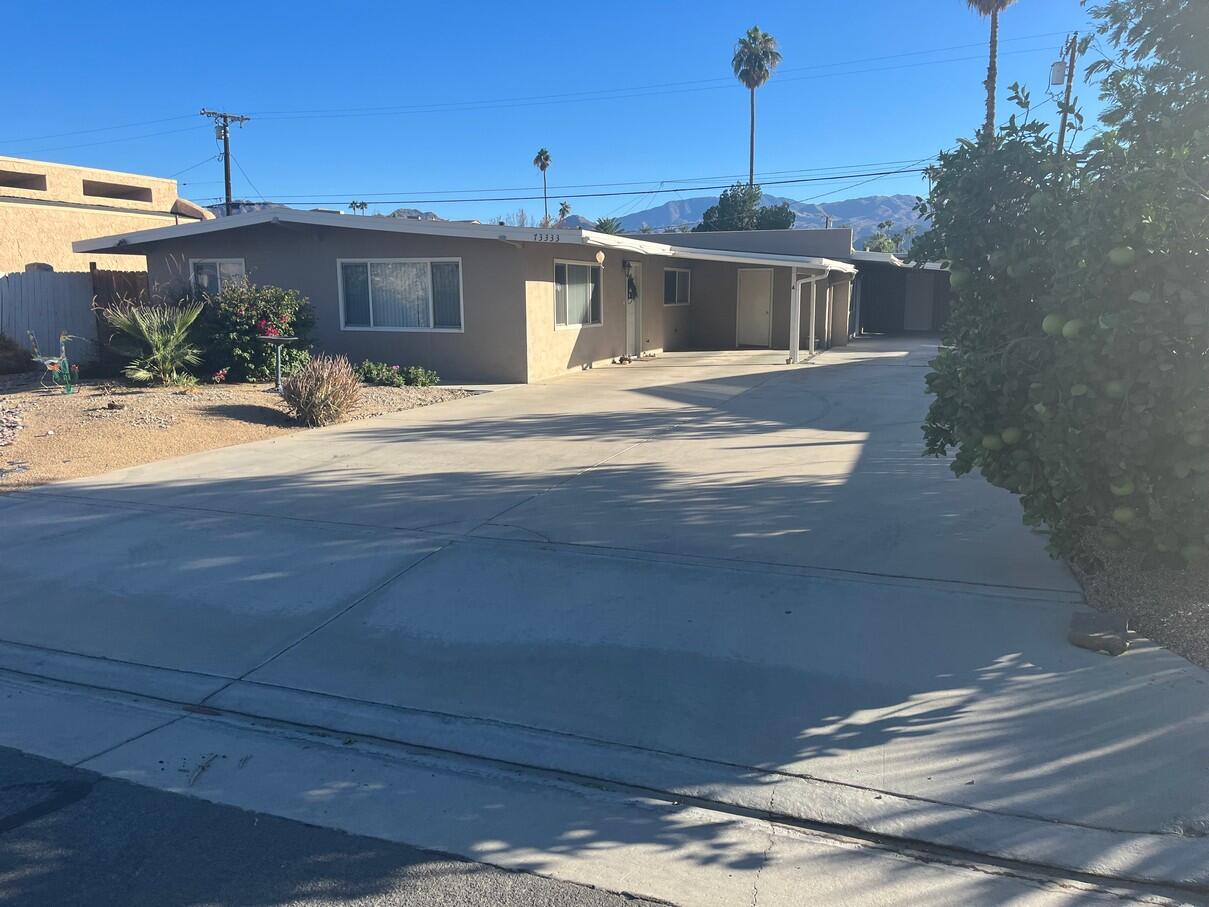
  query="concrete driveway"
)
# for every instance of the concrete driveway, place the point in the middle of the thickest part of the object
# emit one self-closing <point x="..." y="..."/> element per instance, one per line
<point x="705" y="574"/>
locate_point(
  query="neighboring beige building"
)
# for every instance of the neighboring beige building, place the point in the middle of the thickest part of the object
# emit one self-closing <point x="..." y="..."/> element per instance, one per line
<point x="482" y="303"/>
<point x="46" y="288"/>
<point x="45" y="207"/>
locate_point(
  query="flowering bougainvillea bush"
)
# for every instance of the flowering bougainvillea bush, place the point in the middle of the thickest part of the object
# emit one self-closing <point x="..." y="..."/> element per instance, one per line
<point x="234" y="319"/>
<point x="1075" y="365"/>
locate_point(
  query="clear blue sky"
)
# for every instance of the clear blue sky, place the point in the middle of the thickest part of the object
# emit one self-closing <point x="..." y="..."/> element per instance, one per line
<point x="625" y="92"/>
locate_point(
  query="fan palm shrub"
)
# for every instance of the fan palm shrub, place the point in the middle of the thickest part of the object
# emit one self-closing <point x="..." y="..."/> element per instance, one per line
<point x="156" y="337"/>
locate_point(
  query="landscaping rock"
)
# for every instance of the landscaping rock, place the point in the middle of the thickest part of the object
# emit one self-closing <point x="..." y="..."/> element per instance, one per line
<point x="10" y="424"/>
<point x="1107" y="633"/>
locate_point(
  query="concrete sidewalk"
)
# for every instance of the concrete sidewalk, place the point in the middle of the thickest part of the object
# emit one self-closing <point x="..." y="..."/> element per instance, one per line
<point x="710" y="575"/>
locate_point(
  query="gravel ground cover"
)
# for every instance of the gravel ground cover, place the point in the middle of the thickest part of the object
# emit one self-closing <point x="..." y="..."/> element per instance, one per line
<point x="1165" y="604"/>
<point x="46" y="435"/>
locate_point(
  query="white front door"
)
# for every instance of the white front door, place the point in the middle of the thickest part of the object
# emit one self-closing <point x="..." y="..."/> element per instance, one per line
<point x="633" y="312"/>
<point x="755" y="307"/>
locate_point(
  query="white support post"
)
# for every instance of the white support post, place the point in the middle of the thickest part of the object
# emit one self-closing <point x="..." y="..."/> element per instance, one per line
<point x="795" y="322"/>
<point x="813" y="319"/>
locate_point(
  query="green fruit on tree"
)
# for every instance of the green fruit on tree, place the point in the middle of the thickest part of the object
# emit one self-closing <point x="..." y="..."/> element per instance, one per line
<point x="1122" y="489"/>
<point x="1124" y="515"/>
<point x="1123" y="256"/>
<point x="1194" y="439"/>
<point x="1193" y="552"/>
<point x="992" y="442"/>
<point x="1181" y="470"/>
<point x="1071" y="329"/>
<point x="1112" y="540"/>
<point x="1053" y="324"/>
<point x="958" y="279"/>
<point x="1011" y="435"/>
<point x="1115" y="389"/>
<point x="1078" y="390"/>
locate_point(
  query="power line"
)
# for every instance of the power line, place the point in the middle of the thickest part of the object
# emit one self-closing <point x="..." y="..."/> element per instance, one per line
<point x="128" y="138"/>
<point x="204" y="160"/>
<point x="913" y="169"/>
<point x="600" y="94"/>
<point x="620" y="93"/>
<point x="727" y="81"/>
<point x="559" y="190"/>
<point x="59" y="135"/>
<point x="248" y="178"/>
<point x="527" y="198"/>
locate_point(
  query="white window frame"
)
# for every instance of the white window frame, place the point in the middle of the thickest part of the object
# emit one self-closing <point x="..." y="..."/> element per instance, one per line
<point x="688" y="287"/>
<point x="341" y="262"/>
<point x="554" y="295"/>
<point x="218" y="263"/>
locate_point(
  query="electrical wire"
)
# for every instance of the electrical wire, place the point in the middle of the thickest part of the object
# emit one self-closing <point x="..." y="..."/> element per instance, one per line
<point x="235" y="160"/>
<point x="526" y="198"/>
<point x="205" y="160"/>
<point x="559" y="190"/>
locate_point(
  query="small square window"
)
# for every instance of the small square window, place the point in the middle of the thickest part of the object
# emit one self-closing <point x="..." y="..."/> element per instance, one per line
<point x="212" y="275"/>
<point x="676" y="286"/>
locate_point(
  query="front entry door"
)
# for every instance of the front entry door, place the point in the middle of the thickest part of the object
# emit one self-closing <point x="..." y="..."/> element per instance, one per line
<point x="755" y="307"/>
<point x="633" y="311"/>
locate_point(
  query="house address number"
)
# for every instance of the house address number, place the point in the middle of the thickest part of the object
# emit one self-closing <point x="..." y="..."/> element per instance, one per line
<point x="545" y="237"/>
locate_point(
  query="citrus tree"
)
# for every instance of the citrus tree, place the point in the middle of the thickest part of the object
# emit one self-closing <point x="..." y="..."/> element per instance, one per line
<point x="1075" y="367"/>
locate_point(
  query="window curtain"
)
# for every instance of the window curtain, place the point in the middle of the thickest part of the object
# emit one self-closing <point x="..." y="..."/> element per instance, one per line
<point x="355" y="278"/>
<point x="400" y="292"/>
<point x="446" y="294"/>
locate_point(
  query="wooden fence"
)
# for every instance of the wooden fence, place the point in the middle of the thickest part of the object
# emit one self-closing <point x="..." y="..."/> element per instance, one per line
<point x="50" y="303"/>
<point x="47" y="304"/>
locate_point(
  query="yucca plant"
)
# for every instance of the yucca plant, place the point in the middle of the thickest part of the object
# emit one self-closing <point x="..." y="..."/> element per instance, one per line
<point x="157" y="337"/>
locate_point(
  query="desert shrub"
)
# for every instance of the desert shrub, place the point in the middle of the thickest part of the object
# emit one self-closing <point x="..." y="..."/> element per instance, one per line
<point x="14" y="358"/>
<point x="233" y="320"/>
<point x="322" y="391"/>
<point x="384" y="375"/>
<point x="156" y="338"/>
<point x="1075" y="370"/>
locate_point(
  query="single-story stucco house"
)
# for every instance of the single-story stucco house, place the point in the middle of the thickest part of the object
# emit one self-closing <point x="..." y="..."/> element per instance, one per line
<point x="483" y="303"/>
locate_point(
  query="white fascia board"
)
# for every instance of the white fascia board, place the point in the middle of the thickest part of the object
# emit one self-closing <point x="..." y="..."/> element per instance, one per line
<point x="325" y="219"/>
<point x="648" y="247"/>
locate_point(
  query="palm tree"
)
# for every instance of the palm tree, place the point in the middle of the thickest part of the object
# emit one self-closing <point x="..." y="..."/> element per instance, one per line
<point x="564" y="210"/>
<point x="991" y="8"/>
<point x="541" y="161"/>
<point x="157" y="339"/>
<point x="756" y="56"/>
<point x="608" y="225"/>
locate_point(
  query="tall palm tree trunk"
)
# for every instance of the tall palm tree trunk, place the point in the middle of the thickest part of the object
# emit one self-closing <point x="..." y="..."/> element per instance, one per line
<point x="545" y="198"/>
<point x="751" y="145"/>
<point x="988" y="128"/>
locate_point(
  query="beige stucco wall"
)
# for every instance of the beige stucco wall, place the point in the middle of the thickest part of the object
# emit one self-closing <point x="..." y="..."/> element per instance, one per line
<point x="490" y="348"/>
<point x="65" y="183"/>
<point x="554" y="350"/>
<point x="37" y="233"/>
<point x="40" y="219"/>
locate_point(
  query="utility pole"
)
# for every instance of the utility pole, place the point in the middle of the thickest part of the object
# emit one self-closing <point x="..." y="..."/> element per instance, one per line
<point x="1072" y="47"/>
<point x="222" y="130"/>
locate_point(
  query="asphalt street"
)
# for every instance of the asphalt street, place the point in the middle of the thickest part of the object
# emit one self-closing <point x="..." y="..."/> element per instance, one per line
<point x="70" y="837"/>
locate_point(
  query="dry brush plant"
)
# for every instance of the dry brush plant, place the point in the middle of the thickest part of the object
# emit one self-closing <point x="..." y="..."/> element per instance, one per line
<point x="323" y="391"/>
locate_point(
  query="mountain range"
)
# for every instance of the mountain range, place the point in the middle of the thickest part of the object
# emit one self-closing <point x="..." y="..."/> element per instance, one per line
<point x="861" y="214"/>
